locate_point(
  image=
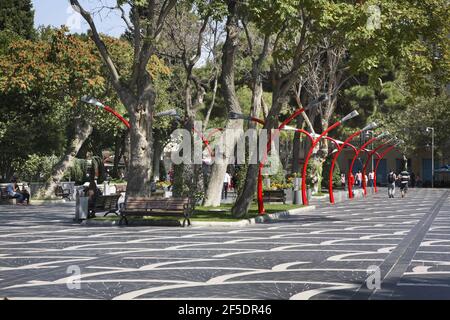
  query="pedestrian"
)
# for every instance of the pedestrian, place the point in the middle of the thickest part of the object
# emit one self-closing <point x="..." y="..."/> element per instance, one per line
<point x="359" y="178"/>
<point x="226" y="184"/>
<point x="343" y="180"/>
<point x="371" y="178"/>
<point x="404" y="179"/>
<point x="392" y="178"/>
<point x="351" y="181"/>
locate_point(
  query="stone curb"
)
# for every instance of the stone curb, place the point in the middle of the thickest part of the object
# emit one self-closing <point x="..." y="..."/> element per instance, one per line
<point x="161" y="223"/>
<point x="273" y="217"/>
<point x="48" y="202"/>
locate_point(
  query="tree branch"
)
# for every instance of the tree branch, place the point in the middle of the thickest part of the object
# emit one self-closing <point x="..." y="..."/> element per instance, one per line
<point x="115" y="76"/>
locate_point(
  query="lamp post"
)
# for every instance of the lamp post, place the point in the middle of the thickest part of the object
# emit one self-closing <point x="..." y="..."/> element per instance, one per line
<point x="370" y="157"/>
<point x="380" y="157"/>
<point x="94" y="102"/>
<point x="432" y="155"/>
<point x="313" y="146"/>
<point x="350" y="170"/>
<point x="235" y="116"/>
<point x="311" y="137"/>
<point x="346" y="143"/>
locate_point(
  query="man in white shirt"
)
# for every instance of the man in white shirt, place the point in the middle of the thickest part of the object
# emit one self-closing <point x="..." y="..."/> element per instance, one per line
<point x="371" y="178"/>
<point x="226" y="184"/>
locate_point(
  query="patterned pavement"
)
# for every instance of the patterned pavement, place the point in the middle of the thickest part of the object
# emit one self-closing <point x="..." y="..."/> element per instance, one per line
<point x="323" y="254"/>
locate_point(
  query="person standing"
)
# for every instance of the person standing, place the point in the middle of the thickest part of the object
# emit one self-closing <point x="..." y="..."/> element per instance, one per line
<point x="404" y="181"/>
<point x="392" y="178"/>
<point x="351" y="181"/>
<point x="226" y="184"/>
<point x="359" y="179"/>
<point x="371" y="179"/>
<point x="343" y="180"/>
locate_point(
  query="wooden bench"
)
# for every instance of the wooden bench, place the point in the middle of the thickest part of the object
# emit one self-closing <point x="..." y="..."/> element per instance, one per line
<point x="5" y="198"/>
<point x="64" y="193"/>
<point x="274" y="196"/>
<point x="104" y="203"/>
<point x="143" y="207"/>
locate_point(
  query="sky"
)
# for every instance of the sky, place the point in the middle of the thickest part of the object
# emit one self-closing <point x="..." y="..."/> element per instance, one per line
<point x="59" y="12"/>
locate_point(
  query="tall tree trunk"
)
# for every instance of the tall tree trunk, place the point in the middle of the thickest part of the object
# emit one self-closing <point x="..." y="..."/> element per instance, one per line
<point x="234" y="127"/>
<point x="296" y="147"/>
<point x="141" y="144"/>
<point x="120" y="149"/>
<point x="157" y="151"/>
<point x="83" y="129"/>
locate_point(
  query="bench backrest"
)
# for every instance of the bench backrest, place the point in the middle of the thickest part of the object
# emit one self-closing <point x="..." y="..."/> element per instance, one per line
<point x="172" y="204"/>
<point x="274" y="193"/>
<point x="111" y="201"/>
<point x="3" y="193"/>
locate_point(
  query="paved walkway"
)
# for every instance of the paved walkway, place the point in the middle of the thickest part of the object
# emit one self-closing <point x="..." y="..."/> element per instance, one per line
<point x="324" y="254"/>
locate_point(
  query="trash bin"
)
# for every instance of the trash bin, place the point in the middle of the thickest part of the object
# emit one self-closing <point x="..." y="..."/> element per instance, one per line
<point x="297" y="187"/>
<point x="81" y="207"/>
<point x="309" y="194"/>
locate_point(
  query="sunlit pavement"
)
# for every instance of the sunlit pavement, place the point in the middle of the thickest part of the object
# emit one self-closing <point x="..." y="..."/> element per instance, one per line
<point x="324" y="254"/>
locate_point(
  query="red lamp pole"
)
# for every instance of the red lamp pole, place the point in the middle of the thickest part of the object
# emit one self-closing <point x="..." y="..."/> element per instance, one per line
<point x="375" y="151"/>
<point x="346" y="143"/>
<point x="382" y="156"/>
<point x="350" y="170"/>
<point x="311" y="149"/>
<point x="305" y="165"/>
<point x="261" y="209"/>
<point x="321" y="99"/>
<point x="335" y="158"/>
<point x="117" y="115"/>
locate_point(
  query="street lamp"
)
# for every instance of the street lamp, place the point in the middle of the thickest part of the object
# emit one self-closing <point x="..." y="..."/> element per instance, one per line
<point x="363" y="147"/>
<point x="380" y="157"/>
<point x="94" y="102"/>
<point x="167" y="113"/>
<point x="432" y="155"/>
<point x="370" y="157"/>
<point x="351" y="115"/>
<point x="239" y="116"/>
<point x="370" y="126"/>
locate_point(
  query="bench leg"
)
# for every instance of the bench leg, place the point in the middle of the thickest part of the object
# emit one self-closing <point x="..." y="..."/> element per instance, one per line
<point x="107" y="212"/>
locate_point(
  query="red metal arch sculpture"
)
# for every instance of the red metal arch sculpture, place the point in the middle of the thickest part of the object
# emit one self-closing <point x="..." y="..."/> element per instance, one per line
<point x="350" y="170"/>
<point x="381" y="157"/>
<point x="370" y="155"/>
<point x="335" y="158"/>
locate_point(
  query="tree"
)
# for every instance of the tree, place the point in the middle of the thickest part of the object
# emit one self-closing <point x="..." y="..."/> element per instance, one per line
<point x="17" y="16"/>
<point x="136" y="91"/>
<point x="45" y="78"/>
<point x="296" y="27"/>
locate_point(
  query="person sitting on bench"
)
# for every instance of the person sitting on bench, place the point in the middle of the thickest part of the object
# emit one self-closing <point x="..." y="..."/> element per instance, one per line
<point x="13" y="191"/>
<point x="25" y="194"/>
